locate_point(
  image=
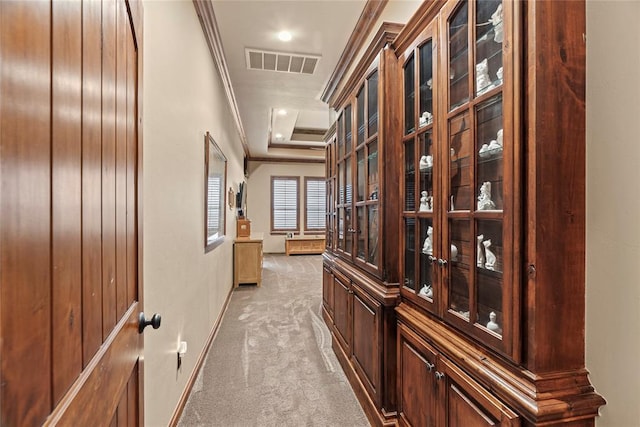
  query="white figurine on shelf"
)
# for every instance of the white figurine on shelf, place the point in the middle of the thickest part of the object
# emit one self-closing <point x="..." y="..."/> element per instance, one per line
<point x="426" y="118"/>
<point x="427" y="246"/>
<point x="484" y="199"/>
<point x="483" y="82"/>
<point x="430" y="84"/>
<point x="426" y="202"/>
<point x="426" y="291"/>
<point x="499" y="74"/>
<point x="480" y="258"/>
<point x="426" y="162"/>
<point x="484" y="150"/>
<point x="495" y="146"/>
<point x="454" y="252"/>
<point x="490" y="257"/>
<point x="492" y="325"/>
<point x="496" y="21"/>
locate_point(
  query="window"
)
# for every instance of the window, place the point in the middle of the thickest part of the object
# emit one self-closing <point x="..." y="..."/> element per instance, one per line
<point x="284" y="203"/>
<point x="315" y="195"/>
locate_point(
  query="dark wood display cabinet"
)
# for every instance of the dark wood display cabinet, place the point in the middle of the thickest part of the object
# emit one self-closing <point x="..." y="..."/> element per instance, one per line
<point x="491" y="319"/>
<point x="360" y="281"/>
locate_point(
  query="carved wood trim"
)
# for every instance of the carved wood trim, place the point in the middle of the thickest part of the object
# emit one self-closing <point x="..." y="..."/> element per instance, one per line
<point x="204" y="9"/>
<point x="370" y="14"/>
<point x="540" y="398"/>
<point x="386" y="34"/>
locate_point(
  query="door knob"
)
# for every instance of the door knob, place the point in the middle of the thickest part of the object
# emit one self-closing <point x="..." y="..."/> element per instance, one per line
<point x="143" y="322"/>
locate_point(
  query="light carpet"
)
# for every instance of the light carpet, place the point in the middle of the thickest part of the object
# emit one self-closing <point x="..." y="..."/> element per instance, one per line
<point x="271" y="363"/>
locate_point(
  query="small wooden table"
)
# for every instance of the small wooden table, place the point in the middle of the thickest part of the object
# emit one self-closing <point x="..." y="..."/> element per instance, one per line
<point x="247" y="260"/>
<point x="304" y="245"/>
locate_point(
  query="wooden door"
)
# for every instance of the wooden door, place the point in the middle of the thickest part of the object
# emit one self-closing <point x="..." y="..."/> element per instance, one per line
<point x="70" y="288"/>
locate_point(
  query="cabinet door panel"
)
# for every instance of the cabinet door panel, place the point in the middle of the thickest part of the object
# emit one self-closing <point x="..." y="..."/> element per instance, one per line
<point x="341" y="318"/>
<point x="366" y="348"/>
<point x="469" y="404"/>
<point x="417" y="391"/>
<point x="327" y="290"/>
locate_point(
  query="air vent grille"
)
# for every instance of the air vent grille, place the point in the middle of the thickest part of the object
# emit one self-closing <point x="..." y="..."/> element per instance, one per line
<point x="281" y="61"/>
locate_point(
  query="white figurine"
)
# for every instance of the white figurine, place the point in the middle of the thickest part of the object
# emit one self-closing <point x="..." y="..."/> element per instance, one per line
<point x="499" y="74"/>
<point x="427" y="246"/>
<point x="484" y="150"/>
<point x="426" y="291"/>
<point x="430" y="84"/>
<point x="484" y="199"/>
<point x="426" y="118"/>
<point x="496" y="21"/>
<point x="490" y="257"/>
<point x="493" y="147"/>
<point x="454" y="252"/>
<point x="480" y="258"/>
<point x="493" y="325"/>
<point x="483" y="82"/>
<point x="426" y="162"/>
<point x="426" y="202"/>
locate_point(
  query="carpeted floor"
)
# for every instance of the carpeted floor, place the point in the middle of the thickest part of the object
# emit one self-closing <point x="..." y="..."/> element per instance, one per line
<point x="271" y="363"/>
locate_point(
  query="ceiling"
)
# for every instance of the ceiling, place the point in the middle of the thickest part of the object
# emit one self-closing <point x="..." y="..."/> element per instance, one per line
<point x="281" y="111"/>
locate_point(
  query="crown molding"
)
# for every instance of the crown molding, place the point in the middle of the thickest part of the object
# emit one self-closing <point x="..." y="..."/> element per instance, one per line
<point x="385" y="35"/>
<point x="424" y="14"/>
<point x="204" y="10"/>
<point x="297" y="146"/>
<point x="285" y="160"/>
<point x="370" y="14"/>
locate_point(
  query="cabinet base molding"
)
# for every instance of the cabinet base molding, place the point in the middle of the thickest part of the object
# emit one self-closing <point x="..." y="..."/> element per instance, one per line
<point x="375" y="417"/>
<point x="542" y="399"/>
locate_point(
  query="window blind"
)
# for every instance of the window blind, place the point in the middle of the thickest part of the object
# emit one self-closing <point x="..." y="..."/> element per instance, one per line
<point x="284" y="193"/>
<point x="214" y="207"/>
<point x="315" y="196"/>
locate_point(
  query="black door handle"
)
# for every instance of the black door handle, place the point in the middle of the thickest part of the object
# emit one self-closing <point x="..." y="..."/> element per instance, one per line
<point x="143" y="322"/>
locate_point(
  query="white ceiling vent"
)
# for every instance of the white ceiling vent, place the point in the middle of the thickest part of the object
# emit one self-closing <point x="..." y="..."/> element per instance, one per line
<point x="281" y="61"/>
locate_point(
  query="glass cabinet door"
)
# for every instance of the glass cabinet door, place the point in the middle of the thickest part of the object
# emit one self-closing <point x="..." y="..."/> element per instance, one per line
<point x="421" y="165"/>
<point x="359" y="187"/>
<point x="361" y="182"/>
<point x="476" y="226"/>
<point x="370" y="151"/>
<point x="458" y="201"/>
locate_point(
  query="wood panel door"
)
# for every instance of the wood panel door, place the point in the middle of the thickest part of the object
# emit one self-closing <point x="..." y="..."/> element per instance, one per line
<point x="70" y="282"/>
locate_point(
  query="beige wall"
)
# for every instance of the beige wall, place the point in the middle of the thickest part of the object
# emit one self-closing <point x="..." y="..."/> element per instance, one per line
<point x="183" y="98"/>
<point x="259" y="196"/>
<point x="613" y="208"/>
